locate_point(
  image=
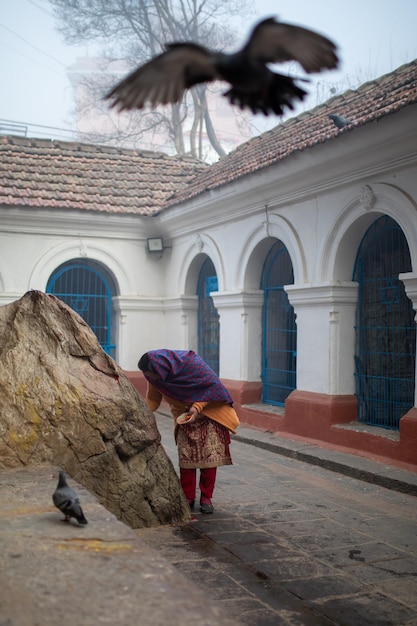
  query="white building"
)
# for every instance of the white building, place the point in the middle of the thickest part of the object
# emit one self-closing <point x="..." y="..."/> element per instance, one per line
<point x="290" y="265"/>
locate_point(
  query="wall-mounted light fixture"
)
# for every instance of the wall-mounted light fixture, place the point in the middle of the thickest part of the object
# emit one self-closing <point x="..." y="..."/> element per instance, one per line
<point x="155" y="244"/>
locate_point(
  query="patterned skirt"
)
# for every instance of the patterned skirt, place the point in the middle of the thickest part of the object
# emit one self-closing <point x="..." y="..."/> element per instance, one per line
<point x="203" y="444"/>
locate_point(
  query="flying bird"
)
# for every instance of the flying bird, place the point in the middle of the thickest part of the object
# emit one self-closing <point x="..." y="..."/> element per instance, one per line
<point x="67" y="501"/>
<point x="165" y="78"/>
<point x="339" y="120"/>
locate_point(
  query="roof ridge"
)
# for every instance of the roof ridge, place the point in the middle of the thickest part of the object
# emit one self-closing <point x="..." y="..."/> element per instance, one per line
<point x="45" y="142"/>
<point x="346" y="95"/>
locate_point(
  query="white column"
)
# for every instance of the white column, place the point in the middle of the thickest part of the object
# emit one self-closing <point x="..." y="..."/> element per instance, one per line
<point x="325" y="315"/>
<point x="410" y="284"/>
<point x="240" y="334"/>
<point x="181" y="322"/>
<point x="139" y="327"/>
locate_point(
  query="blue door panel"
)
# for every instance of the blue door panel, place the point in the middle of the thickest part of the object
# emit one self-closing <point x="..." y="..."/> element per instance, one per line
<point x="385" y="328"/>
<point x="279" y="344"/>
<point x="208" y="318"/>
<point x="87" y="291"/>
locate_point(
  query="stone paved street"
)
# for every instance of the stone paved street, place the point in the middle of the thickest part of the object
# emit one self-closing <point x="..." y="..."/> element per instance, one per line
<point x="294" y="543"/>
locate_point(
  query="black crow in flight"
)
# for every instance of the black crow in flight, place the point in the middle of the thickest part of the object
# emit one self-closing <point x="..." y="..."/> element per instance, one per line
<point x="165" y="78"/>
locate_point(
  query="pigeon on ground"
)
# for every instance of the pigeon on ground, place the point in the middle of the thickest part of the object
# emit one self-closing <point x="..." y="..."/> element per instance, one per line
<point x="165" y="78"/>
<point x="67" y="501"/>
<point x="339" y="120"/>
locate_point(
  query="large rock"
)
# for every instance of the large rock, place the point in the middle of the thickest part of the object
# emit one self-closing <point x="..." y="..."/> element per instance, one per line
<point x="63" y="400"/>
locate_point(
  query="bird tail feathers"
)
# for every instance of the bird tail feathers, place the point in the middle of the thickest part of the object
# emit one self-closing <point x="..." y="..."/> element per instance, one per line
<point x="279" y="95"/>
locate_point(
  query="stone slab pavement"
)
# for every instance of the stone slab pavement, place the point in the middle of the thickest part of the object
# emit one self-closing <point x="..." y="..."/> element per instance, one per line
<point x="300" y="535"/>
<point x="294" y="542"/>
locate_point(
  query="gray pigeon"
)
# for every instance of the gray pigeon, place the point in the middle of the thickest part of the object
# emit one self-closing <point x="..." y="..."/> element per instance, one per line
<point x="67" y="501"/>
<point x="165" y="78"/>
<point x="339" y="120"/>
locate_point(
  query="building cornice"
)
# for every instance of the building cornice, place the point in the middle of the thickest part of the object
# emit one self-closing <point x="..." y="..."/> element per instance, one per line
<point x="323" y="294"/>
<point x="53" y="222"/>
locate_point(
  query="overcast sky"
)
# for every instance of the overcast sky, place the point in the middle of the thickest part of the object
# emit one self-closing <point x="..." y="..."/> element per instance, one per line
<point x="374" y="37"/>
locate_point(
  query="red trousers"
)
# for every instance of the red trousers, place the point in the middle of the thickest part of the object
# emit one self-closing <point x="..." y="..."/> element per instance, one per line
<point x="188" y="479"/>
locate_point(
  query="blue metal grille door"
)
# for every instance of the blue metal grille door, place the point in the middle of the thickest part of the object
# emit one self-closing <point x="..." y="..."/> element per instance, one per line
<point x="385" y="327"/>
<point x="87" y="291"/>
<point x="208" y="318"/>
<point x="279" y="345"/>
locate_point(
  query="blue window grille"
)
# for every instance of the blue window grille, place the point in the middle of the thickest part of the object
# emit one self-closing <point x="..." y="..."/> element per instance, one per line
<point x="87" y="290"/>
<point x="208" y="318"/>
<point x="385" y="328"/>
<point x="279" y="342"/>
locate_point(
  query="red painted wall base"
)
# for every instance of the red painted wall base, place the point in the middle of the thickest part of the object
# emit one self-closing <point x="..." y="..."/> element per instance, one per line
<point x="138" y="381"/>
<point x="325" y="419"/>
<point x="311" y="414"/>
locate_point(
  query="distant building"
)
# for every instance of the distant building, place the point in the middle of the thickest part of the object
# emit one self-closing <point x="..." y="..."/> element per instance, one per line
<point x="91" y="77"/>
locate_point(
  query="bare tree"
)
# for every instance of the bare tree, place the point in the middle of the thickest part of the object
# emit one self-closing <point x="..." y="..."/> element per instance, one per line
<point x="136" y="30"/>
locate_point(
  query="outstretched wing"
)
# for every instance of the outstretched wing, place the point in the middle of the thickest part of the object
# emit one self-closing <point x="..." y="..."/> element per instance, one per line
<point x="164" y="79"/>
<point x="274" y="42"/>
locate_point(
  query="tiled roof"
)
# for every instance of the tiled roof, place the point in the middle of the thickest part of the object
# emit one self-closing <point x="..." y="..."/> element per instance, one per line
<point x="58" y="174"/>
<point x="65" y="175"/>
<point x="369" y="102"/>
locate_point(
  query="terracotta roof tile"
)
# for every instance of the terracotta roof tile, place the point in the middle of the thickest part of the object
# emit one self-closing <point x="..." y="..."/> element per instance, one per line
<point x="368" y="103"/>
<point x="67" y="175"/>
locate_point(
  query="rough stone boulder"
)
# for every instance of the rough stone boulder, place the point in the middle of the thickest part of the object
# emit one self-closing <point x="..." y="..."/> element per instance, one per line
<point x="64" y="401"/>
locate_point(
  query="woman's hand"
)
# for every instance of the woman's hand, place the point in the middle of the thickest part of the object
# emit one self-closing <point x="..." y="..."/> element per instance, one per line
<point x="193" y="415"/>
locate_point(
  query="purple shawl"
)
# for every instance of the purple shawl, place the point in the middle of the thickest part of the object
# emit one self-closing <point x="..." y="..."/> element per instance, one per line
<point x="184" y="376"/>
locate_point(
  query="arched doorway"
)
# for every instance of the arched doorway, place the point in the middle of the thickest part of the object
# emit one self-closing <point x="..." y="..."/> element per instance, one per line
<point x="87" y="288"/>
<point x="208" y="318"/>
<point x="385" y="327"/>
<point x="279" y="332"/>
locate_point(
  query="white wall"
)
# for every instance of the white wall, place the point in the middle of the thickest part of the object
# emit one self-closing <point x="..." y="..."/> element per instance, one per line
<point x="34" y="243"/>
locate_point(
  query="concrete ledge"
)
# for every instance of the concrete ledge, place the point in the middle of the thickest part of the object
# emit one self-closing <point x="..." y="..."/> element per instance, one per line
<point x="52" y="572"/>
